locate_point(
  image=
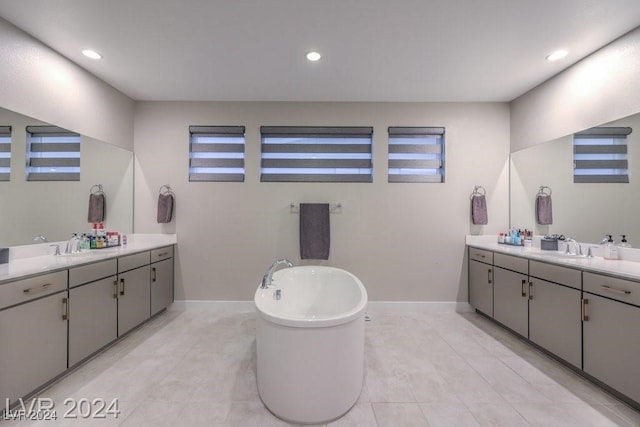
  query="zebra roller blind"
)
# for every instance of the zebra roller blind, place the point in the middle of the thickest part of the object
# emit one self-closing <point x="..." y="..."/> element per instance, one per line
<point x="53" y="154"/>
<point x="216" y="153"/>
<point x="600" y="155"/>
<point x="416" y="154"/>
<point x="5" y="153"/>
<point x="316" y="154"/>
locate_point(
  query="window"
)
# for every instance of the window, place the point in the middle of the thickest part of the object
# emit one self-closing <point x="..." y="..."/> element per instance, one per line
<point x="216" y="153"/>
<point x="416" y="154"/>
<point x="600" y="155"/>
<point x="316" y="154"/>
<point x="53" y="154"/>
<point x="5" y="153"/>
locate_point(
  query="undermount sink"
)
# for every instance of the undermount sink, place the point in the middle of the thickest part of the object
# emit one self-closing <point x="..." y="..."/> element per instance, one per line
<point x="563" y="255"/>
<point x="76" y="254"/>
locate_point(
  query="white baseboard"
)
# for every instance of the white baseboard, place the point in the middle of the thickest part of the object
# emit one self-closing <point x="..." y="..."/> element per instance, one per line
<point x="372" y="306"/>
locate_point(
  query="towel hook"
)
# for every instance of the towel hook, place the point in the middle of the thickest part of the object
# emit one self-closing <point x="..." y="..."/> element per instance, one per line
<point x="541" y="191"/>
<point x="96" y="189"/>
<point x="478" y="190"/>
<point x="166" y="189"/>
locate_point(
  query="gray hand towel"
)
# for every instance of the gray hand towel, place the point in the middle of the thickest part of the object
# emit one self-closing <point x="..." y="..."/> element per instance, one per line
<point x="314" y="231"/>
<point x="165" y="208"/>
<point x="97" y="206"/>
<point x="479" y="214"/>
<point x="544" y="209"/>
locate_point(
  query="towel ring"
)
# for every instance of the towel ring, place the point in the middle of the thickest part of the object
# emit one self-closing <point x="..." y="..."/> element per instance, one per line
<point x="166" y="189"/>
<point x="543" y="188"/>
<point x="96" y="189"/>
<point x="478" y="190"/>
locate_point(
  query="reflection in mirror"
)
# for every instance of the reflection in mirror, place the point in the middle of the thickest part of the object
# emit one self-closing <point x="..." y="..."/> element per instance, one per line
<point x="583" y="211"/>
<point x="55" y="209"/>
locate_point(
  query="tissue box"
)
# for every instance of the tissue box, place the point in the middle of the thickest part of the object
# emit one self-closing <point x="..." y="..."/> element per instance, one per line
<point x="547" y="244"/>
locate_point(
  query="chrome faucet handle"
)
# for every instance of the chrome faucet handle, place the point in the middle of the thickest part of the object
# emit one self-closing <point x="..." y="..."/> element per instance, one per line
<point x="590" y="252"/>
<point x="57" y="252"/>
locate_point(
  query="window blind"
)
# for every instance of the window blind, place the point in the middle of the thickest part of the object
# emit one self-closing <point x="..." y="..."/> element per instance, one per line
<point x="216" y="153"/>
<point x="316" y="154"/>
<point x="416" y="154"/>
<point x="600" y="155"/>
<point x="53" y="154"/>
<point x="5" y="153"/>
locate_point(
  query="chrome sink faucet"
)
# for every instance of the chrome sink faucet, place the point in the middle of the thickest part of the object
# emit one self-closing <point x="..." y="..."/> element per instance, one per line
<point x="578" y="251"/>
<point x="266" y="279"/>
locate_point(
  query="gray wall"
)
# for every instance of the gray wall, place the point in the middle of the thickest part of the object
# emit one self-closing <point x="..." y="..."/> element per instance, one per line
<point x="405" y="241"/>
<point x="40" y="83"/>
<point x="601" y="88"/>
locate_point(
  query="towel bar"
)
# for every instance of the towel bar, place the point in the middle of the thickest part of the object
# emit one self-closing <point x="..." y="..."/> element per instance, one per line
<point x="332" y="206"/>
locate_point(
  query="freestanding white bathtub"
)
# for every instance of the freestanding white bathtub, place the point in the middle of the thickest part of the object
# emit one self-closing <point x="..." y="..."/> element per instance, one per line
<point x="310" y="343"/>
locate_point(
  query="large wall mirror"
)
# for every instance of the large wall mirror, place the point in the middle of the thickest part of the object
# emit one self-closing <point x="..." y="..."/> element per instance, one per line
<point x="585" y="212"/>
<point x="56" y="209"/>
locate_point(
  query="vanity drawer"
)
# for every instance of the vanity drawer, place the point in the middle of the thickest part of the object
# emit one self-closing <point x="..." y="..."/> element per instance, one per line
<point x="555" y="273"/>
<point x="162" y="253"/>
<point x="92" y="272"/>
<point x="130" y="262"/>
<point x="612" y="287"/>
<point x="35" y="287"/>
<point x="481" y="255"/>
<point x="521" y="265"/>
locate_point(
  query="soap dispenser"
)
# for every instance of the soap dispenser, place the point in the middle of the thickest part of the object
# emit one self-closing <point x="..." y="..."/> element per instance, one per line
<point x="610" y="248"/>
<point x="624" y="243"/>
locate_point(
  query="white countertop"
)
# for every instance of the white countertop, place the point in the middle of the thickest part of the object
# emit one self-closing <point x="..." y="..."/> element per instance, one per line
<point x="23" y="265"/>
<point x="627" y="268"/>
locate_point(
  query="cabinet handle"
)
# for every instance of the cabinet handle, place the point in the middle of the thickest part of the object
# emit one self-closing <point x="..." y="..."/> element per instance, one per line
<point x="522" y="289"/>
<point x="115" y="289"/>
<point x="65" y="311"/>
<point x="153" y="271"/>
<point x="39" y="289"/>
<point x="585" y="315"/>
<point x="122" y="282"/>
<point x="167" y="253"/>
<point x="530" y="290"/>
<point x="615" y="291"/>
<point x="489" y="276"/>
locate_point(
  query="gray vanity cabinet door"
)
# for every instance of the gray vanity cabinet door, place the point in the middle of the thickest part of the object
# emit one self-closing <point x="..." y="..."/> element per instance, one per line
<point x="161" y="285"/>
<point x="510" y="300"/>
<point x="133" y="298"/>
<point x="555" y="320"/>
<point x="481" y="287"/>
<point x="33" y="345"/>
<point x="612" y="344"/>
<point x="93" y="318"/>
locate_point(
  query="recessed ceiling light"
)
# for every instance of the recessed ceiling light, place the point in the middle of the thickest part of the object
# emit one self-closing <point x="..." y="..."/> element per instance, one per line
<point x="313" y="56"/>
<point x="90" y="53"/>
<point x="558" y="54"/>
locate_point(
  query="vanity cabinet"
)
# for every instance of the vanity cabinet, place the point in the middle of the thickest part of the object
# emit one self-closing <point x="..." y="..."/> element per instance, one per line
<point x="611" y="334"/>
<point x="134" y="290"/>
<point x="510" y="292"/>
<point x="33" y="333"/>
<point x="161" y="279"/>
<point x="93" y="312"/>
<point x="481" y="280"/>
<point x="554" y="310"/>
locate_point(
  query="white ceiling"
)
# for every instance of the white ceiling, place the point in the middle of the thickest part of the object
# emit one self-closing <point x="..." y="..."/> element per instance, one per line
<point x="373" y="50"/>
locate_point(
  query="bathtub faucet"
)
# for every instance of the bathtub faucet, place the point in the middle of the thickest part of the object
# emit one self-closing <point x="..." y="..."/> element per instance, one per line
<point x="266" y="279"/>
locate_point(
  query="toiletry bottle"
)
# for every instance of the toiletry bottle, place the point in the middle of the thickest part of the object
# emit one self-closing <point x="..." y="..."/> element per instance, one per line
<point x="610" y="249"/>
<point x="623" y="243"/>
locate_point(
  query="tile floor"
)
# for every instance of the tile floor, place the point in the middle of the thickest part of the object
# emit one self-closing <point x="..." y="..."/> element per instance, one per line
<point x="197" y="368"/>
